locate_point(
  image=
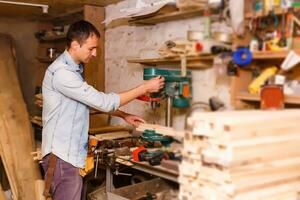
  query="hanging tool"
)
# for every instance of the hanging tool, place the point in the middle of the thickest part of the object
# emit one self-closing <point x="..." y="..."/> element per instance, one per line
<point x="282" y="41"/>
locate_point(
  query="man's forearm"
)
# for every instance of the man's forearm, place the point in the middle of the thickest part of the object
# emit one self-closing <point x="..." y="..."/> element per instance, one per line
<point x="118" y="113"/>
<point x="130" y="95"/>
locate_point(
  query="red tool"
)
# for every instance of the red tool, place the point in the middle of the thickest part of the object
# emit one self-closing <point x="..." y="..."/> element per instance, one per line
<point x="136" y="152"/>
<point x="148" y="98"/>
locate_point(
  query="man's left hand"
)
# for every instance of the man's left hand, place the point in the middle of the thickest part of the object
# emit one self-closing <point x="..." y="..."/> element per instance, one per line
<point x="133" y="120"/>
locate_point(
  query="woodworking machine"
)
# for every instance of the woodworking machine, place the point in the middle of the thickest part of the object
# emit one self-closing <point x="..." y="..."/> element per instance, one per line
<point x="177" y="90"/>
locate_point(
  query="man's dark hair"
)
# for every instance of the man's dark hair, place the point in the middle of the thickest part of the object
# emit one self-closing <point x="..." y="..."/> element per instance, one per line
<point x="80" y="31"/>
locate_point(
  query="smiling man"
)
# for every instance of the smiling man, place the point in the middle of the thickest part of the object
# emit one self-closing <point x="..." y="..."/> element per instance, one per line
<point x="67" y="99"/>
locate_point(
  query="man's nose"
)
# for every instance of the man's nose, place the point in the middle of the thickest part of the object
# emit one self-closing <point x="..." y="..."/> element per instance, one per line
<point x="94" y="53"/>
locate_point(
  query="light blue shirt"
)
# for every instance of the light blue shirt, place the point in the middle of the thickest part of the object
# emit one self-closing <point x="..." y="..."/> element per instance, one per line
<point x="66" y="101"/>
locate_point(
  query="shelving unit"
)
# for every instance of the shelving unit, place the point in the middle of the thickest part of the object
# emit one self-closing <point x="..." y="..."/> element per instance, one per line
<point x="268" y="55"/>
<point x="192" y="62"/>
<point x="245" y="96"/>
<point x="277" y="11"/>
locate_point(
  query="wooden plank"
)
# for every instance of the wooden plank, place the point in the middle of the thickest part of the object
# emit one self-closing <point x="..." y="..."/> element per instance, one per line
<point x="168" y="131"/>
<point x="7" y="159"/>
<point x="113" y="135"/>
<point x="178" y="15"/>
<point x="199" y="62"/>
<point x="2" y="194"/>
<point x="39" y="190"/>
<point x="106" y="129"/>
<point x="17" y="135"/>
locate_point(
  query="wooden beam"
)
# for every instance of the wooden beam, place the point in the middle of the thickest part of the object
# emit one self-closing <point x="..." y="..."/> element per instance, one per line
<point x="113" y="135"/>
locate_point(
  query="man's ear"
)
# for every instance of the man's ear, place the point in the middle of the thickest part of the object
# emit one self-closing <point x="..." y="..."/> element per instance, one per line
<point x="75" y="45"/>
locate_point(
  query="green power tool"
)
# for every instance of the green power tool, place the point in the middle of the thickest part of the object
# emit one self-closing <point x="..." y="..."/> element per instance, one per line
<point x="177" y="90"/>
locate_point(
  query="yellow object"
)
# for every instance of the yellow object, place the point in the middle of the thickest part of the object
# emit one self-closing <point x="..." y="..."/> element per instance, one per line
<point x="89" y="162"/>
<point x="89" y="166"/>
<point x="265" y="75"/>
<point x="271" y="4"/>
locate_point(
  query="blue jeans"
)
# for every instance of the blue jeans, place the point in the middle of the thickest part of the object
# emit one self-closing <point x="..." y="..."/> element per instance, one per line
<point x="66" y="182"/>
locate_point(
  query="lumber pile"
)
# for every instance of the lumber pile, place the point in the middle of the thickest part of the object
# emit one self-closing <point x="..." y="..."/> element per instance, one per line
<point x="16" y="137"/>
<point x="241" y="155"/>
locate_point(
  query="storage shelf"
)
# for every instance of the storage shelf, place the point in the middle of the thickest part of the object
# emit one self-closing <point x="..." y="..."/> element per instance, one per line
<point x="192" y="62"/>
<point x="54" y="38"/>
<point x="263" y="55"/>
<point x="278" y="11"/>
<point x="177" y="15"/>
<point x="45" y="59"/>
<point x="245" y="96"/>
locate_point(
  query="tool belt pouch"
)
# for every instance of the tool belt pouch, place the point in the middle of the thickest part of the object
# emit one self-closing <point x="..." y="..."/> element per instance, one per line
<point x="49" y="175"/>
<point x="89" y="166"/>
<point x="89" y="162"/>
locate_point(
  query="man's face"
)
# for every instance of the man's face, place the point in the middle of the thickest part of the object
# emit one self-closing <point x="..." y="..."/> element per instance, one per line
<point x="88" y="49"/>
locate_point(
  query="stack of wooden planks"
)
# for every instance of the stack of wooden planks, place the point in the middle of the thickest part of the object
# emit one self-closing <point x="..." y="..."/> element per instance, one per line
<point x="245" y="155"/>
<point x="16" y="138"/>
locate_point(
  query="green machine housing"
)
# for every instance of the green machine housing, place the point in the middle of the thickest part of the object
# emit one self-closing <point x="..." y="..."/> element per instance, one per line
<point x="178" y="87"/>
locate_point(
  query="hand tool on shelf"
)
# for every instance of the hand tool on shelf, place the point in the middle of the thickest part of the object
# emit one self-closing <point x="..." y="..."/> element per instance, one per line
<point x="142" y="154"/>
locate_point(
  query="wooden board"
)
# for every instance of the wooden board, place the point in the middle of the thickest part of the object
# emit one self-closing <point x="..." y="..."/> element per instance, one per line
<point x="178" y="15"/>
<point x="106" y="129"/>
<point x="16" y="136"/>
<point x="2" y="194"/>
<point x="198" y="62"/>
<point x="113" y="135"/>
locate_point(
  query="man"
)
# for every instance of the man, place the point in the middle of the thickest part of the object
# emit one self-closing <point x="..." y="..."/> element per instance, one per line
<point x="67" y="99"/>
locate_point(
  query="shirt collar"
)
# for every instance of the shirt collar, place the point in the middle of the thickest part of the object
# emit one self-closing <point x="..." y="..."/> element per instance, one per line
<point x="72" y="65"/>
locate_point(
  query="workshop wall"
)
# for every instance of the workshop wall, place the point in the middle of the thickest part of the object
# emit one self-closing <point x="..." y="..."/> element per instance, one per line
<point x="26" y="45"/>
<point x="126" y="42"/>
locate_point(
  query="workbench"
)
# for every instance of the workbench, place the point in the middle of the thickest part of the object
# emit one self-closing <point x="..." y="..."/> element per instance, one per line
<point x="157" y="170"/>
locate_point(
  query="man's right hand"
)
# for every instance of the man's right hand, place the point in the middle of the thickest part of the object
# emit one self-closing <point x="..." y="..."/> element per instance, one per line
<point x="154" y="84"/>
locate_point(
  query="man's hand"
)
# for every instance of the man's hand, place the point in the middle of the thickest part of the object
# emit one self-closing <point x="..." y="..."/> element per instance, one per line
<point x="154" y="84"/>
<point x="133" y="120"/>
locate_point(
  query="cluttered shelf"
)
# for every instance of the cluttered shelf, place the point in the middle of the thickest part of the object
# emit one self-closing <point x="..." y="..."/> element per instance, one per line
<point x="245" y="96"/>
<point x="261" y="55"/>
<point x="276" y="11"/>
<point x="177" y="15"/>
<point x="192" y="62"/>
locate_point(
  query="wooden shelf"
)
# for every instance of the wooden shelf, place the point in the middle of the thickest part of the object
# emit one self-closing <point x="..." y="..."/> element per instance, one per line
<point x="278" y="11"/>
<point x="160" y="18"/>
<point x="263" y="55"/>
<point x="53" y="38"/>
<point x="66" y="17"/>
<point x="45" y="59"/>
<point x="245" y="96"/>
<point x="192" y="62"/>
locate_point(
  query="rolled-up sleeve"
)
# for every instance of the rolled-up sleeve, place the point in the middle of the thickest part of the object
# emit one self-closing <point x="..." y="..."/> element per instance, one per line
<point x="71" y="85"/>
